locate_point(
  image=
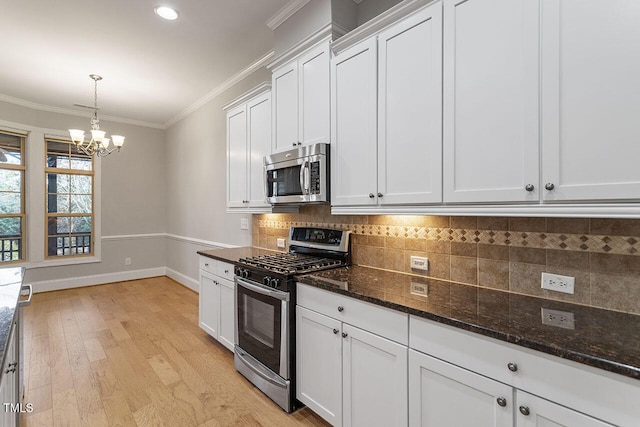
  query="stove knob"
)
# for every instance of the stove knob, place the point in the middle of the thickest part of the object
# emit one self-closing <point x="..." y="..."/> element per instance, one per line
<point x="266" y="280"/>
<point x="275" y="283"/>
<point x="246" y="274"/>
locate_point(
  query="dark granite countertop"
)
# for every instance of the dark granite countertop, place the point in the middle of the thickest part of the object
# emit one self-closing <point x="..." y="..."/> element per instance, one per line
<point x="10" y="285"/>
<point x="234" y="254"/>
<point x="604" y="339"/>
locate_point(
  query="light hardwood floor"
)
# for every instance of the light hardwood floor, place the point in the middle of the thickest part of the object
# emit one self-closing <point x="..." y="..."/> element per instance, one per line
<point x="132" y="354"/>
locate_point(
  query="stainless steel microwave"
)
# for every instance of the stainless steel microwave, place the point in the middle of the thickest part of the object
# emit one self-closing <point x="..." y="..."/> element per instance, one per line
<point x="297" y="176"/>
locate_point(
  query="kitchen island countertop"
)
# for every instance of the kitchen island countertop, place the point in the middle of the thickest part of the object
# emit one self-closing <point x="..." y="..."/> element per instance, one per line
<point x="603" y="339"/>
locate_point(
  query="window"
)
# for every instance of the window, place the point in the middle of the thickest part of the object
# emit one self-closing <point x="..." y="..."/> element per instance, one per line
<point x="12" y="217"/>
<point x="69" y="206"/>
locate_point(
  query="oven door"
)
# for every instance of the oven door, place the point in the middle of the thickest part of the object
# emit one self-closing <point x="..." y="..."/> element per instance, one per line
<point x="300" y="180"/>
<point x="262" y="321"/>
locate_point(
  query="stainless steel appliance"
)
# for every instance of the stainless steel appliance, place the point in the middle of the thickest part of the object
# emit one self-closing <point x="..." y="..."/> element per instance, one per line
<point x="298" y="176"/>
<point x="265" y="308"/>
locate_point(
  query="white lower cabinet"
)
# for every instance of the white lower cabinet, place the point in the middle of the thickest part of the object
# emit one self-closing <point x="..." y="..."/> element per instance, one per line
<point x="347" y="375"/>
<point x="9" y="387"/>
<point x="533" y="411"/>
<point x="442" y="394"/>
<point x="216" y="305"/>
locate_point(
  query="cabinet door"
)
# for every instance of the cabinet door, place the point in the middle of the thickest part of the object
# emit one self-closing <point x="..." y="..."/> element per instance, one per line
<point x="491" y="100"/>
<point x="209" y="304"/>
<point x="285" y="107"/>
<point x="353" y="126"/>
<point x="313" y="101"/>
<point x="590" y="99"/>
<point x="259" y="124"/>
<point x="410" y="109"/>
<point x="319" y="364"/>
<point x="441" y="394"/>
<point x="542" y="413"/>
<point x="237" y="157"/>
<point x="374" y="379"/>
<point x="227" y="325"/>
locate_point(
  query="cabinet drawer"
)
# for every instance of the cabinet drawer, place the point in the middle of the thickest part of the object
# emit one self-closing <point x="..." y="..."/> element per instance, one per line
<point x="224" y="270"/>
<point x="382" y="321"/>
<point x="208" y="264"/>
<point x="586" y="389"/>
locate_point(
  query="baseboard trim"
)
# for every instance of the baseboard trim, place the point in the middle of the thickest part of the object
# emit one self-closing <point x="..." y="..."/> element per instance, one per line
<point x="183" y="279"/>
<point x="97" y="279"/>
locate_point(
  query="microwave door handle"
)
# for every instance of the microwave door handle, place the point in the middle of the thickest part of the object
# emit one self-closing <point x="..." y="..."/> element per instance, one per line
<point x="302" y="177"/>
<point x="307" y="176"/>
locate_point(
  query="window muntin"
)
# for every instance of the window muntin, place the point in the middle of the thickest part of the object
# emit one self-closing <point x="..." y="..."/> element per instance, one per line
<point x="69" y="205"/>
<point x="12" y="197"/>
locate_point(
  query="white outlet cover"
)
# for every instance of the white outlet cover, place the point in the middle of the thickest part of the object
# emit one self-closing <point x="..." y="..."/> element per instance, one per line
<point x="558" y="283"/>
<point x="558" y="318"/>
<point x="280" y="243"/>
<point x="244" y="224"/>
<point x="421" y="289"/>
<point x="419" y="263"/>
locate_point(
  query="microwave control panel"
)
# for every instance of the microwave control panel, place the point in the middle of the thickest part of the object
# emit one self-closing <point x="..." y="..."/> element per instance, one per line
<point x="314" y="186"/>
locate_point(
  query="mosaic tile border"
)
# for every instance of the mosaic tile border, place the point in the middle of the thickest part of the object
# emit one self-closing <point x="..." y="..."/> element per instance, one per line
<point x="620" y="245"/>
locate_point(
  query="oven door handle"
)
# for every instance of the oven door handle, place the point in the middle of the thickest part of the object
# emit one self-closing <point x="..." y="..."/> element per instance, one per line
<point x="283" y="296"/>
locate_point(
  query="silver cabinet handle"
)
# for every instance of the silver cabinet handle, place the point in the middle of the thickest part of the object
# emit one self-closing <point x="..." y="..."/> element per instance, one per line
<point x="549" y="186"/>
<point x="28" y="300"/>
<point x="335" y="331"/>
<point x="502" y="401"/>
<point x="340" y="309"/>
<point x="371" y="195"/>
<point x="512" y="366"/>
<point x="379" y="194"/>
<point x="524" y="410"/>
<point x="344" y="335"/>
<point x="529" y="187"/>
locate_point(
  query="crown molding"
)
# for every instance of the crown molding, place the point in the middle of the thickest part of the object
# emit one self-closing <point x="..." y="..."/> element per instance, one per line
<point x="68" y="111"/>
<point x="262" y="87"/>
<point x="377" y="24"/>
<point x="323" y="34"/>
<point x="227" y="84"/>
<point x="285" y="13"/>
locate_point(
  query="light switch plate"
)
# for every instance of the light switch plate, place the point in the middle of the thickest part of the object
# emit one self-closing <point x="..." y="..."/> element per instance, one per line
<point x="244" y="224"/>
<point x="280" y="243"/>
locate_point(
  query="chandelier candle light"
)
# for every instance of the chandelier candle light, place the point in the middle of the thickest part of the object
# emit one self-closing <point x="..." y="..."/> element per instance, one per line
<point x="99" y="145"/>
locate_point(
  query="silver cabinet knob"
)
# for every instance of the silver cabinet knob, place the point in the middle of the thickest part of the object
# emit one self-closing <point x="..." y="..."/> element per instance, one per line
<point x="371" y="195"/>
<point x="299" y="143"/>
<point x="524" y="410"/>
<point x="206" y="264"/>
<point x="335" y="331"/>
<point x="344" y="335"/>
<point x="294" y="144"/>
<point x="512" y="366"/>
<point x="226" y="272"/>
<point x="549" y="186"/>
<point x="340" y="309"/>
<point x="529" y="187"/>
<point x="379" y="194"/>
<point x="502" y="401"/>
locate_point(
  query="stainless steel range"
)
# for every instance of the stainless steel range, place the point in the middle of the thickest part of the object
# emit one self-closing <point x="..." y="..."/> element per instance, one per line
<point x="265" y="307"/>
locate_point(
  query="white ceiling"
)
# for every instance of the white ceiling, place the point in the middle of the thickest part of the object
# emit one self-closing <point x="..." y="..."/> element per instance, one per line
<point x="153" y="69"/>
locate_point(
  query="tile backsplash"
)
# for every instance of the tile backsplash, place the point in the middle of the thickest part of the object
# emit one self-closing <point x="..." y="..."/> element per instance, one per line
<point x="494" y="252"/>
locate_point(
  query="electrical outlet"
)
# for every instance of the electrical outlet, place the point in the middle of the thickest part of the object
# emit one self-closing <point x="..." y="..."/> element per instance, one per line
<point x="560" y="319"/>
<point x="419" y="289"/>
<point x="127" y="261"/>
<point x="556" y="282"/>
<point x="244" y="224"/>
<point x="419" y="263"/>
<point x="280" y="243"/>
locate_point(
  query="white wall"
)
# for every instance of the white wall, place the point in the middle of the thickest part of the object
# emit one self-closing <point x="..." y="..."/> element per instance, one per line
<point x="196" y="185"/>
<point x="133" y="202"/>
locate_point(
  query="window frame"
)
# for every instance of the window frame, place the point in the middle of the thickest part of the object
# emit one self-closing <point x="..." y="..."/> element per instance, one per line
<point x="22" y="167"/>
<point x="48" y="215"/>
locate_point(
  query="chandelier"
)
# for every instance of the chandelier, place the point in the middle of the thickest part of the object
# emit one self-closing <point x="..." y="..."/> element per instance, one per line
<point x="99" y="145"/>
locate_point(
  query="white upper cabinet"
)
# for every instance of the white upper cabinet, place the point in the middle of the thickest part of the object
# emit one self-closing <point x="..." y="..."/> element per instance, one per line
<point x="301" y="100"/>
<point x="409" y="110"/>
<point x="237" y="157"/>
<point x="590" y="99"/>
<point x="491" y="101"/>
<point x="353" y="126"/>
<point x="248" y="141"/>
<point x="258" y="146"/>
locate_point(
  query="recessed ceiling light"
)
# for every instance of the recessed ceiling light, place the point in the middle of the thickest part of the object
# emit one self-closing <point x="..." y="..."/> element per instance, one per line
<point x="166" y="12"/>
